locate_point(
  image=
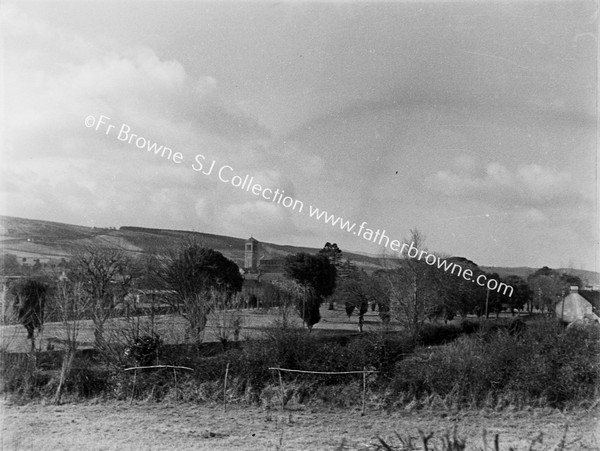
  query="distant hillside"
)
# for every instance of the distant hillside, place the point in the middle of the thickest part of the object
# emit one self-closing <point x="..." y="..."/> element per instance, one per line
<point x="589" y="277"/>
<point x="31" y="239"/>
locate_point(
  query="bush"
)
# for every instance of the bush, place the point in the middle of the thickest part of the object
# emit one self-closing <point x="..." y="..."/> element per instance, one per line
<point x="21" y="376"/>
<point x="469" y="327"/>
<point x="543" y="365"/>
<point x="144" y="349"/>
<point x="437" y="334"/>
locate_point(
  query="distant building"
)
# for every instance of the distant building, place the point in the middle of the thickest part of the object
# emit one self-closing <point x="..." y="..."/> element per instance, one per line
<point x="269" y="265"/>
<point x="574" y="307"/>
<point x="255" y="264"/>
<point x="251" y="255"/>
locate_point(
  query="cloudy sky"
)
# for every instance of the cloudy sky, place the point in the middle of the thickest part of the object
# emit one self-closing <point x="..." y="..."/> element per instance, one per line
<point x="475" y="122"/>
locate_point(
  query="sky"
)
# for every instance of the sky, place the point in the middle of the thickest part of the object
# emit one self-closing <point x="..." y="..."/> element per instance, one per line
<point x="474" y="122"/>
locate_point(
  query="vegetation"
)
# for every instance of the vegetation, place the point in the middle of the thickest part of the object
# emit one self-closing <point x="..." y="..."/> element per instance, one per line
<point x="357" y="291"/>
<point x="315" y="276"/>
<point x="195" y="279"/>
<point x="29" y="302"/>
<point x="468" y="364"/>
<point x="106" y="275"/>
<point x="544" y="365"/>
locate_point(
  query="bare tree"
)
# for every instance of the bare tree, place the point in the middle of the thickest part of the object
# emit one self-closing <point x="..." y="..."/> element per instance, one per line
<point x="190" y="275"/>
<point x="412" y="288"/>
<point x="70" y="302"/>
<point x="303" y="297"/>
<point x="289" y="294"/>
<point x="358" y="292"/>
<point x="106" y="274"/>
<point x="227" y="318"/>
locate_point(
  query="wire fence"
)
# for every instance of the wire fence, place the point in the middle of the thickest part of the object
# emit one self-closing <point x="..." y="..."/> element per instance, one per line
<point x="364" y="373"/>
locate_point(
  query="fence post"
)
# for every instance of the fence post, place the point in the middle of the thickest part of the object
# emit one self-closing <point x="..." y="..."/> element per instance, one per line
<point x="133" y="390"/>
<point x="281" y="389"/>
<point x="225" y="388"/>
<point x="364" y="390"/>
<point x="176" y="387"/>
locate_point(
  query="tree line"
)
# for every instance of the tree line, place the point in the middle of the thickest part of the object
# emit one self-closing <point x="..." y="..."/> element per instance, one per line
<point x="195" y="280"/>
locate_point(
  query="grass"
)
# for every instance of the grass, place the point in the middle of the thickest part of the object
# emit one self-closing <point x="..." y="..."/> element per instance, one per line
<point x="115" y="425"/>
<point x="544" y="365"/>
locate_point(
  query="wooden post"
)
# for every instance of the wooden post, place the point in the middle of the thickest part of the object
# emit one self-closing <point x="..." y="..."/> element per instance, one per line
<point x="176" y="388"/>
<point x="364" y="390"/>
<point x="225" y="388"/>
<point x="281" y="389"/>
<point x="133" y="390"/>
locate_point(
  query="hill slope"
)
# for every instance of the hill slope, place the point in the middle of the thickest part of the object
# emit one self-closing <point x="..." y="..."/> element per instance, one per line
<point x="31" y="239"/>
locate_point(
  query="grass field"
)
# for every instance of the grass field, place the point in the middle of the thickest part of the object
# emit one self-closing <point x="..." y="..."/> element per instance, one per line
<point x="147" y="425"/>
<point x="166" y="426"/>
<point x="171" y="328"/>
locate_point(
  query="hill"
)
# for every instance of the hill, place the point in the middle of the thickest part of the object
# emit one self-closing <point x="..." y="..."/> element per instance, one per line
<point x="587" y="277"/>
<point x="45" y="240"/>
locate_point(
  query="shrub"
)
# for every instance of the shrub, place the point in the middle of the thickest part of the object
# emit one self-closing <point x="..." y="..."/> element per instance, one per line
<point x="544" y="365"/>
<point x="437" y="334"/>
<point x="144" y="349"/>
<point x="469" y="327"/>
<point x="21" y="376"/>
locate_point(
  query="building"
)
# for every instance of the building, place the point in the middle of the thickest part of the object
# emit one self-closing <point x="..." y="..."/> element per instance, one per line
<point x="254" y="262"/>
<point x="259" y="273"/>
<point x="574" y="307"/>
<point x="251" y="255"/>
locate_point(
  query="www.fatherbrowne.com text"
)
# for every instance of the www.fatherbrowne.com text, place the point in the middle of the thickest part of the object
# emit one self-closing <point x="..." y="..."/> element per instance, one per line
<point x="227" y="174"/>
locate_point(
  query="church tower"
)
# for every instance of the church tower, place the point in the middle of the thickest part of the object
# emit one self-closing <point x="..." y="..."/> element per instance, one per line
<point x="251" y="255"/>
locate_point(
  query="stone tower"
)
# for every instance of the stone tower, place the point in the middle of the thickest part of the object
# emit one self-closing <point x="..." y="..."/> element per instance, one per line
<point x="251" y="255"/>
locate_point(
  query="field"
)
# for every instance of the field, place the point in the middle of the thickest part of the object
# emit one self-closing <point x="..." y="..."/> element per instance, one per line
<point x="171" y="328"/>
<point x="105" y="423"/>
<point x="150" y="426"/>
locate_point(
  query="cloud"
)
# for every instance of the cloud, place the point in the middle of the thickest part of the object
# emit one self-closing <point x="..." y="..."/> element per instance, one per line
<point x="62" y="170"/>
<point x="56" y="79"/>
<point x="259" y="218"/>
<point x="527" y="185"/>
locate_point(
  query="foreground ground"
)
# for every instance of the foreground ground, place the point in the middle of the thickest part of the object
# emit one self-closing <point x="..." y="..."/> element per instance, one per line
<point x="149" y="426"/>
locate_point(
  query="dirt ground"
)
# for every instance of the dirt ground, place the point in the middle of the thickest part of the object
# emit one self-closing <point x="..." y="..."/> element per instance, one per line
<point x="164" y="426"/>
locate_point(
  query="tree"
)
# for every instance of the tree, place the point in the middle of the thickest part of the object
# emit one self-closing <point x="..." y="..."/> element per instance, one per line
<point x="288" y="295"/>
<point x="345" y="269"/>
<point x="494" y="299"/>
<point x="194" y="269"/>
<point x="460" y="295"/>
<point x="334" y="254"/>
<point x="521" y="293"/>
<point x="227" y="322"/>
<point x="193" y="276"/>
<point x="316" y="275"/>
<point x="413" y="288"/>
<point x="548" y="286"/>
<point x="357" y="292"/>
<point x="9" y="265"/>
<point x="314" y="270"/>
<point x="70" y="302"/>
<point x="304" y="298"/>
<point x="30" y="297"/>
<point x="107" y="275"/>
